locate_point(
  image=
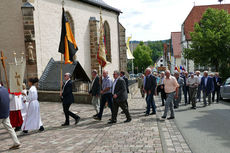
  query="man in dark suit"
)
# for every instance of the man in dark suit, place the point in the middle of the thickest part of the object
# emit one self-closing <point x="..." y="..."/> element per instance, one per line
<point x="207" y="86"/>
<point x="150" y="89"/>
<point x="122" y="75"/>
<point x="217" y="83"/>
<point x="4" y="116"/>
<point x="95" y="92"/>
<point x="120" y="97"/>
<point x="67" y="100"/>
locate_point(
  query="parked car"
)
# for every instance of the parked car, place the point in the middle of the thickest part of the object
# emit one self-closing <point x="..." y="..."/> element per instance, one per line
<point x="225" y="89"/>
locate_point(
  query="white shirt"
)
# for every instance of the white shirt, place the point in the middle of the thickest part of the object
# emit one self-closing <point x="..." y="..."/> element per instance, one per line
<point x="114" y="84"/>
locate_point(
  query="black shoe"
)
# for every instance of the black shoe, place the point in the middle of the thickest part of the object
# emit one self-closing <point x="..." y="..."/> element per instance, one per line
<point x="41" y="128"/>
<point x="122" y="112"/>
<point x="97" y="118"/>
<point x="77" y="120"/>
<point x="146" y="114"/>
<point x="25" y="131"/>
<point x="153" y="113"/>
<point x="65" y="124"/>
<point x="128" y="120"/>
<point x="112" y="122"/>
<point x="164" y="117"/>
<point x="169" y="118"/>
<point x="95" y="115"/>
<point x="193" y="107"/>
<point x="162" y="105"/>
<point x="175" y="107"/>
<point x="17" y="129"/>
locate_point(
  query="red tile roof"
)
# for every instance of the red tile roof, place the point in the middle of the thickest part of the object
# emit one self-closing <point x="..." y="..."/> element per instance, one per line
<point x="196" y="14"/>
<point x="176" y="44"/>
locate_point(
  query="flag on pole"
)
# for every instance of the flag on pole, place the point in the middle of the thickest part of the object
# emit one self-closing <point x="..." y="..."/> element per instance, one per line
<point x="129" y="54"/>
<point x="101" y="54"/>
<point x="68" y="45"/>
<point x="16" y="76"/>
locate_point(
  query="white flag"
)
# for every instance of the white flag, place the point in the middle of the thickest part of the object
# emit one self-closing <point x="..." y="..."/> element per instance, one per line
<point x="16" y="75"/>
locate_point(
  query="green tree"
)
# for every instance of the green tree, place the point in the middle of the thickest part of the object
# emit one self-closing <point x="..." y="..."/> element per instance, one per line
<point x="211" y="41"/>
<point x="157" y="49"/>
<point x="142" y="56"/>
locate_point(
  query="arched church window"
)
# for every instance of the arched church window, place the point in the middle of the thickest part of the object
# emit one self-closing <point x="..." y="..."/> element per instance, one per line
<point x="71" y="22"/>
<point x="107" y="41"/>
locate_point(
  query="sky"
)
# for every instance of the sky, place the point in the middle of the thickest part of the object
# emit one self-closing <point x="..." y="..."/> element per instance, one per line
<point x="155" y="19"/>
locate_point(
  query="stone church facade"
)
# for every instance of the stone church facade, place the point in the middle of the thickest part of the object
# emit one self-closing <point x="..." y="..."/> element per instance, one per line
<point x="34" y="28"/>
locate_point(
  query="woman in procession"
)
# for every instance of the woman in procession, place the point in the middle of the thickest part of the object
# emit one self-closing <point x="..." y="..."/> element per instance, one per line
<point x="33" y="119"/>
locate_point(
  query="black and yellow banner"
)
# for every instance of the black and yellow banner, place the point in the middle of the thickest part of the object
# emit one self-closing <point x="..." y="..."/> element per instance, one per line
<point x="68" y="45"/>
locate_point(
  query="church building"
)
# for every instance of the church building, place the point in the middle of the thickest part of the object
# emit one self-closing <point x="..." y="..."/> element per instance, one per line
<point x="33" y="27"/>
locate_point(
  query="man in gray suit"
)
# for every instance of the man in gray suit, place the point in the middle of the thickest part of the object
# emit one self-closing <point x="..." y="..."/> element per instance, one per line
<point x="180" y="81"/>
<point x="120" y="97"/>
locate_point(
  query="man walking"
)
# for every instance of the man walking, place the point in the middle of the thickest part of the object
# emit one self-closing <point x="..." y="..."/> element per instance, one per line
<point x="207" y="86"/>
<point x="67" y="99"/>
<point x="4" y="116"/>
<point x="120" y="97"/>
<point x="161" y="88"/>
<point x="199" y="86"/>
<point x="186" y="88"/>
<point x="217" y="83"/>
<point x="150" y="89"/>
<point x="122" y="75"/>
<point x="180" y="81"/>
<point x="171" y="90"/>
<point x="193" y="83"/>
<point x="95" y="92"/>
<point x="106" y="94"/>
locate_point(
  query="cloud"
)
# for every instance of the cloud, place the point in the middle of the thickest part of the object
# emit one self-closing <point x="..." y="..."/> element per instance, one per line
<point x="155" y="19"/>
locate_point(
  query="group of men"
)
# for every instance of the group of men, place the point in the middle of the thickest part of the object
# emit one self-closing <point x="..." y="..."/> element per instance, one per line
<point x="193" y="85"/>
<point x="104" y="91"/>
<point x="115" y="93"/>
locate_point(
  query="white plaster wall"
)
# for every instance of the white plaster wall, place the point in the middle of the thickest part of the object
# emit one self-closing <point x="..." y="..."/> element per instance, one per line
<point x="11" y="30"/>
<point x="48" y="15"/>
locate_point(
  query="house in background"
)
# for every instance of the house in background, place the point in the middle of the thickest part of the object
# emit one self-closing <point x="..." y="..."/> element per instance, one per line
<point x="188" y="26"/>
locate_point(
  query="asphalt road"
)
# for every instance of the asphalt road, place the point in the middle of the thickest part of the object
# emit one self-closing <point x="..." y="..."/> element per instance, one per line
<point x="206" y="129"/>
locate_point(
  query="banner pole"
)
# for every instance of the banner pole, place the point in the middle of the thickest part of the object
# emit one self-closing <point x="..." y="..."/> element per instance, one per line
<point x="61" y="73"/>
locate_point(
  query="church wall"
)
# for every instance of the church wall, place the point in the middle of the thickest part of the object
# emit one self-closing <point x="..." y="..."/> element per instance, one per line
<point x="11" y="33"/>
<point x="47" y="18"/>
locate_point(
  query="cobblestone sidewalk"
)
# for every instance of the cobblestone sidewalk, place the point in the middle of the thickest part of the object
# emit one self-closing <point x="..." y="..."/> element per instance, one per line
<point x="142" y="135"/>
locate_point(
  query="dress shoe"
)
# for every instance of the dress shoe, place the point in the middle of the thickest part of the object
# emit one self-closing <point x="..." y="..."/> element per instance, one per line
<point x="164" y="117"/>
<point x="146" y="114"/>
<point x="153" y="113"/>
<point x="169" y="118"/>
<point x="112" y="122"/>
<point x="122" y="112"/>
<point x="41" y="128"/>
<point x="97" y="118"/>
<point x="17" y="129"/>
<point x="25" y="131"/>
<point x="128" y="120"/>
<point x="193" y="107"/>
<point x="65" y="124"/>
<point x="16" y="146"/>
<point x="77" y="120"/>
<point x="95" y="115"/>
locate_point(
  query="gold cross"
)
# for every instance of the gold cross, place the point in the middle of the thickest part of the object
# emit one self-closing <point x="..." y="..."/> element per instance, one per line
<point x="17" y="76"/>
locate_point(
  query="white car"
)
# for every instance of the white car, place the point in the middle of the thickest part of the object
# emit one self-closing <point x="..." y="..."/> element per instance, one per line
<point x="225" y="89"/>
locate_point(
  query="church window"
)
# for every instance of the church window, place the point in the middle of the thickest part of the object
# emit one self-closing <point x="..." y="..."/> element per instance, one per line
<point x="107" y="41"/>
